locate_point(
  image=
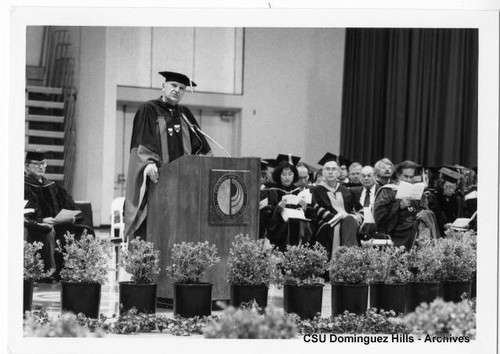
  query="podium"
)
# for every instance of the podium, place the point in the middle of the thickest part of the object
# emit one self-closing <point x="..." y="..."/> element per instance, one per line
<point x="200" y="198"/>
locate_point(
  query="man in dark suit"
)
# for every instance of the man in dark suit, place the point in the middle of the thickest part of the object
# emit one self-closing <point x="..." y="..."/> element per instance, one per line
<point x="366" y="197"/>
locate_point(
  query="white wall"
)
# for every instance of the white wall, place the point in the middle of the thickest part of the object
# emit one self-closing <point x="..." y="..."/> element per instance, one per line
<point x="292" y="92"/>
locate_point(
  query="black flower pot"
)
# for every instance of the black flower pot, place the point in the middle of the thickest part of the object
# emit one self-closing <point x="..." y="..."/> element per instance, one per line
<point x="453" y="290"/>
<point x="192" y="299"/>
<point x="140" y="296"/>
<point x="27" y="294"/>
<point x="418" y="292"/>
<point x="240" y="294"/>
<point x="81" y="297"/>
<point x="388" y="296"/>
<point x="349" y="297"/>
<point x="305" y="300"/>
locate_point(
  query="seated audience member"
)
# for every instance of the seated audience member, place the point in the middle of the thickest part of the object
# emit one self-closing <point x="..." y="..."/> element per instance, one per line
<point x="403" y="219"/>
<point x="318" y="178"/>
<point x="447" y="203"/>
<point x="47" y="199"/>
<point x="271" y="165"/>
<point x="282" y="231"/>
<point x="354" y="175"/>
<point x="265" y="210"/>
<point x="343" y="172"/>
<point x="366" y="197"/>
<point x="303" y="181"/>
<point x="384" y="170"/>
<point x="335" y="209"/>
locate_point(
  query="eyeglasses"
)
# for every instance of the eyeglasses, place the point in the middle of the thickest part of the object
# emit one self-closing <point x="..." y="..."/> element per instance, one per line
<point x="38" y="164"/>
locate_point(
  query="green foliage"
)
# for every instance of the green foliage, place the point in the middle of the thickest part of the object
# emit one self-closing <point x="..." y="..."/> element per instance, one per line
<point x="251" y="262"/>
<point x="443" y="318"/>
<point x="85" y="260"/>
<point x="33" y="263"/>
<point x="390" y="265"/>
<point x="458" y="257"/>
<point x="252" y="324"/>
<point x="38" y="324"/>
<point x="426" y="259"/>
<point x="141" y="260"/>
<point x="191" y="260"/>
<point x="372" y="321"/>
<point x="303" y="265"/>
<point x="352" y="265"/>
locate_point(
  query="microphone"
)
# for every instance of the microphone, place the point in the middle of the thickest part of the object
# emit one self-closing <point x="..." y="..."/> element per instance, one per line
<point x="195" y="128"/>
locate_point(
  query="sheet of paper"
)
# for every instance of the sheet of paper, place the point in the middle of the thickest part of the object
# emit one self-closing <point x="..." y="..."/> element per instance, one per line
<point x="263" y="203"/>
<point x="25" y="202"/>
<point x="291" y="199"/>
<point x="306" y="195"/>
<point x="29" y="210"/>
<point x="64" y="214"/>
<point x="409" y="190"/>
<point x="471" y="195"/>
<point x="289" y="213"/>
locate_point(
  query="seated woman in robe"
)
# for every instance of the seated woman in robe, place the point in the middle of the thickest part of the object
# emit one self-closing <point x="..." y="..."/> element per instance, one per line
<point x="280" y="230"/>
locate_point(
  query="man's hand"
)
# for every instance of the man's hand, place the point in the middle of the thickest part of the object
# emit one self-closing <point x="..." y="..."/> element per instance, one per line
<point x="49" y="221"/>
<point x="303" y="204"/>
<point x="152" y="172"/>
<point x="404" y="203"/>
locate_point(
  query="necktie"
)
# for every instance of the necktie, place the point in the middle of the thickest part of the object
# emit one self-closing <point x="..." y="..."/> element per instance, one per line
<point x="367" y="198"/>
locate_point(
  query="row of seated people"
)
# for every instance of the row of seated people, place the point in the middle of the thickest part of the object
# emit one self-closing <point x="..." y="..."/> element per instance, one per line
<point x="344" y="211"/>
<point x="44" y="200"/>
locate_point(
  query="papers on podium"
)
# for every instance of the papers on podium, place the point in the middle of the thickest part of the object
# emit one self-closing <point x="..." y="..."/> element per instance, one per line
<point x="65" y="214"/>
<point x="412" y="191"/>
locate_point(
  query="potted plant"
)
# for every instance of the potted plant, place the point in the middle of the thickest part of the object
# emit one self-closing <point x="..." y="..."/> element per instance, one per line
<point x="85" y="270"/>
<point x="390" y="275"/>
<point x="302" y="267"/>
<point x="142" y="261"/>
<point x="250" y="269"/>
<point x="190" y="261"/>
<point x="458" y="264"/>
<point x="33" y="271"/>
<point x="350" y="273"/>
<point x="425" y="264"/>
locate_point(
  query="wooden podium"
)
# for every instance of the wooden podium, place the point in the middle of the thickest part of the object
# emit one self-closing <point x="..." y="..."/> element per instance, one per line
<point x="200" y="198"/>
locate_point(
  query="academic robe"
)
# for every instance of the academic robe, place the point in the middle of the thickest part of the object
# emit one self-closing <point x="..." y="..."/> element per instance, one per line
<point x="160" y="135"/>
<point x="346" y="229"/>
<point x="446" y="209"/>
<point x="47" y="199"/>
<point x="400" y="224"/>
<point x="280" y="232"/>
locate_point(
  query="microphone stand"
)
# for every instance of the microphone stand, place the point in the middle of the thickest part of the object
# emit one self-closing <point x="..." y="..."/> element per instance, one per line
<point x="194" y="128"/>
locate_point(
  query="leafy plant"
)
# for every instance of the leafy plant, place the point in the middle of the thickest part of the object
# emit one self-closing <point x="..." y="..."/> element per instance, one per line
<point x="33" y="263"/>
<point x="251" y="324"/>
<point x="443" y="318"/>
<point x="303" y="265"/>
<point x="141" y="260"/>
<point x="251" y="262"/>
<point x="191" y="260"/>
<point x="458" y="258"/>
<point x="372" y="321"/>
<point x="86" y="259"/>
<point x="425" y="260"/>
<point x="38" y="324"/>
<point x="352" y="265"/>
<point x="390" y="265"/>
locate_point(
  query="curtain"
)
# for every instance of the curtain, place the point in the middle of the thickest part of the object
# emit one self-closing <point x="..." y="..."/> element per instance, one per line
<point x="410" y="94"/>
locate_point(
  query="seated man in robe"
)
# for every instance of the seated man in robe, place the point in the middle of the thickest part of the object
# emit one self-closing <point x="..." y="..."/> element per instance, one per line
<point x="366" y="197"/>
<point x="384" y="169"/>
<point x="335" y="209"/>
<point x="403" y="219"/>
<point x="46" y="198"/>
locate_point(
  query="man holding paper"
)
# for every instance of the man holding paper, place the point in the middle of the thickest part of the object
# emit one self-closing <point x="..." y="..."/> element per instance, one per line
<point x="401" y="210"/>
<point x="54" y="211"/>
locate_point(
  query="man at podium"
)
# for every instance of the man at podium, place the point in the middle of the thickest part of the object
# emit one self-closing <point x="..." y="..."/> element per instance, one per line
<point x="162" y="131"/>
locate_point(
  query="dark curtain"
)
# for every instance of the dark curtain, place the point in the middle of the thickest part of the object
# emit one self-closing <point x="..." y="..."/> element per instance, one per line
<point x="410" y="94"/>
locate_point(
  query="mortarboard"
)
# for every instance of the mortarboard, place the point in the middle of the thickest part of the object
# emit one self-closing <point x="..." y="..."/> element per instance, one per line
<point x="177" y="77"/>
<point x="263" y="165"/>
<point x="450" y="175"/>
<point x="35" y="155"/>
<point x="293" y="160"/>
<point x="340" y="160"/>
<point x="271" y="162"/>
